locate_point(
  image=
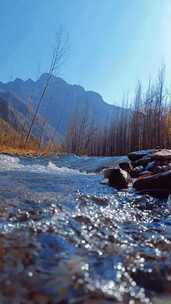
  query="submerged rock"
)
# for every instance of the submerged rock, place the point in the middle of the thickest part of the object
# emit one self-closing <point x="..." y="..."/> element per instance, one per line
<point x="117" y="177"/>
<point x="153" y="281"/>
<point x="158" y="193"/>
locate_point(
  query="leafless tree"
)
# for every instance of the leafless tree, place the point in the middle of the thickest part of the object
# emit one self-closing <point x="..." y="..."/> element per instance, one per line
<point x="57" y="60"/>
<point x="142" y="123"/>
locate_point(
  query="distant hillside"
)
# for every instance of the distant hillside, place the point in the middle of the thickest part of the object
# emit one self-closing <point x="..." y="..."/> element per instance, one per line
<point x="8" y="133"/>
<point x="61" y="100"/>
<point x="18" y="116"/>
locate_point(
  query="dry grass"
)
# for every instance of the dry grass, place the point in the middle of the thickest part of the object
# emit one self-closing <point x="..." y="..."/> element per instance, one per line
<point x="23" y="151"/>
<point x="12" y="142"/>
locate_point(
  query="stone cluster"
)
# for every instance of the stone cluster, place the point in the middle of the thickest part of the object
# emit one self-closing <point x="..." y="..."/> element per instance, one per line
<point x="147" y="171"/>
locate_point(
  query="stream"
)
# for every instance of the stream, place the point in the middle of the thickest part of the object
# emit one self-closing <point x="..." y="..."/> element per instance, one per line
<point x="67" y="238"/>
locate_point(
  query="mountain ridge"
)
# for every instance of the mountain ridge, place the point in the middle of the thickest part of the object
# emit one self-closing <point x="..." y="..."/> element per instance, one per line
<point x="44" y="77"/>
<point x="61" y="100"/>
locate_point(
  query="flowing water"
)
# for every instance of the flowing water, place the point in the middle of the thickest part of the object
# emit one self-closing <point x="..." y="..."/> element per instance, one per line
<point x="67" y="238"/>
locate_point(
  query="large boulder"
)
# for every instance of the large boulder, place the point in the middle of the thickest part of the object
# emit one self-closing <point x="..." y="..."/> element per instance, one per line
<point x="117" y="177"/>
<point x="154" y="183"/>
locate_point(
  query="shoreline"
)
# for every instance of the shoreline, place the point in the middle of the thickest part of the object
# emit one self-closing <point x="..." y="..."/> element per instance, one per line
<point x="25" y="152"/>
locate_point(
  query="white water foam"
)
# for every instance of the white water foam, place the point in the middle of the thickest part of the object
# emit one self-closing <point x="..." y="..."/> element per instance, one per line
<point x="10" y="163"/>
<point x="52" y="167"/>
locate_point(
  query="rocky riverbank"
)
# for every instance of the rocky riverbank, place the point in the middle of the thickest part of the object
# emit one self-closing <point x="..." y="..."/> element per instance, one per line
<point x="147" y="171"/>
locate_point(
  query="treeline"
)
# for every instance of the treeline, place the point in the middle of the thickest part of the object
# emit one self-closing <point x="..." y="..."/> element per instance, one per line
<point x="12" y="140"/>
<point x="144" y="122"/>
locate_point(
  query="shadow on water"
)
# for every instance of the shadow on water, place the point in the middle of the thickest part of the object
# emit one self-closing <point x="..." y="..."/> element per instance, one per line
<point x="66" y="238"/>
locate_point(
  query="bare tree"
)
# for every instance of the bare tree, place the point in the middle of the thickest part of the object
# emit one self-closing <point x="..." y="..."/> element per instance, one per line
<point x="142" y="124"/>
<point x="58" y="57"/>
<point x="81" y="132"/>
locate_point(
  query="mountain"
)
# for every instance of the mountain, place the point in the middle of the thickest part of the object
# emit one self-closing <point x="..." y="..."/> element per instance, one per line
<point x="61" y="100"/>
<point x="18" y="115"/>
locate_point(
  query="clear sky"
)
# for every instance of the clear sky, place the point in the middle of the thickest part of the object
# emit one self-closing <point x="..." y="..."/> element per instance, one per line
<point x="113" y="43"/>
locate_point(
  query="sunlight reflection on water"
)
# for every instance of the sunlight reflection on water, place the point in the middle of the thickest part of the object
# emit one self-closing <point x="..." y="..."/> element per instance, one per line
<point x="66" y="237"/>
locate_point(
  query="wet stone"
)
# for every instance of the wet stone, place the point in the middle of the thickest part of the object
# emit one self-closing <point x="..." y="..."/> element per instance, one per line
<point x="137" y="171"/>
<point x="152" y="281"/>
<point x="163" y="155"/>
<point x="126" y="166"/>
<point x="117" y="177"/>
<point x="142" y="162"/>
<point x="134" y="156"/>
<point x="160" y="181"/>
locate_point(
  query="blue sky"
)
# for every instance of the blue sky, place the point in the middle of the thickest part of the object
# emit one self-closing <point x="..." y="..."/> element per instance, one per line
<point x="113" y="43"/>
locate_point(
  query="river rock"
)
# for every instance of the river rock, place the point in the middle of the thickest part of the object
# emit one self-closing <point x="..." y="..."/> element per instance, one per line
<point x="158" y="193"/>
<point x="117" y="177"/>
<point x="136" y="171"/>
<point x="163" y="155"/>
<point x="153" y="280"/>
<point x="133" y="156"/>
<point x="150" y="166"/>
<point x="155" y="168"/>
<point x="142" y="161"/>
<point x="126" y="166"/>
<point x="157" y="181"/>
<point x="145" y="173"/>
